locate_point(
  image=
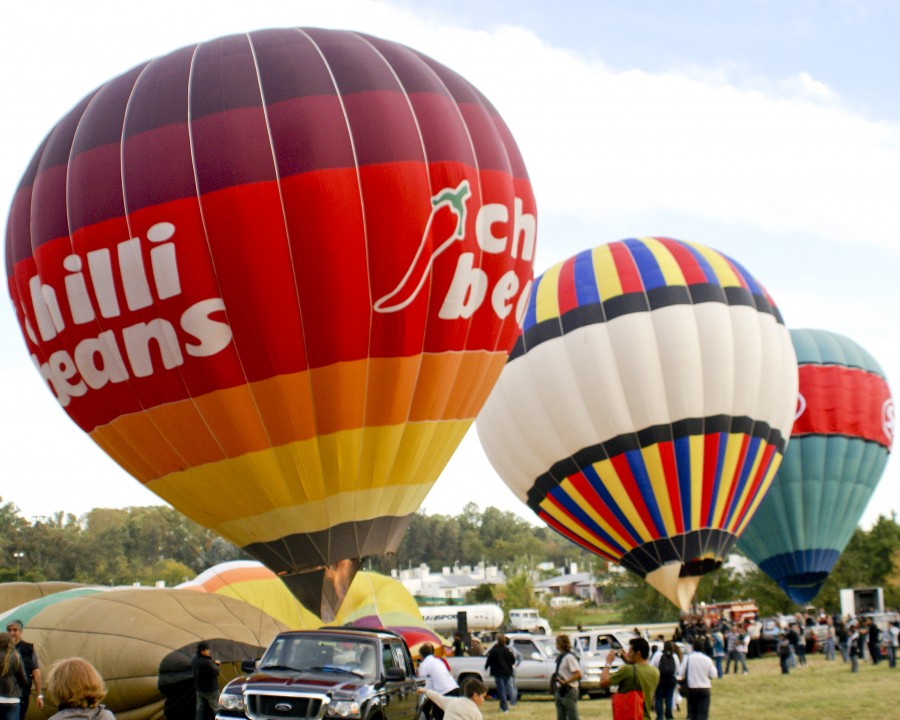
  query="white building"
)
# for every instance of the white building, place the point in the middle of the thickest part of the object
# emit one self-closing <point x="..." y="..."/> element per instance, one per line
<point x="451" y="583"/>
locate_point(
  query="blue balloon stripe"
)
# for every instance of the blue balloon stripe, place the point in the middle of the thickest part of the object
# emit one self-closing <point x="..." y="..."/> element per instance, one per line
<point x="707" y="269"/>
<point x="585" y="280"/>
<point x="641" y="477"/>
<point x="716" y="476"/>
<point x="648" y="267"/>
<point x="531" y="313"/>
<point x="683" y="465"/>
<point x="593" y="477"/>
<point x="578" y="513"/>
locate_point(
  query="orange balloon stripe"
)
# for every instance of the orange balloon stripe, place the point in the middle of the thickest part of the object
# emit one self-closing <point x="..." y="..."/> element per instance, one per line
<point x="234" y="421"/>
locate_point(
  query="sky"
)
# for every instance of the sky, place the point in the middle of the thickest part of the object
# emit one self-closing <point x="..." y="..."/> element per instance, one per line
<point x="768" y="130"/>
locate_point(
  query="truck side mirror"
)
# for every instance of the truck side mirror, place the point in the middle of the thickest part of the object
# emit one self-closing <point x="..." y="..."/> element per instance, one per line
<point x="248" y="665"/>
<point x="394" y="674"/>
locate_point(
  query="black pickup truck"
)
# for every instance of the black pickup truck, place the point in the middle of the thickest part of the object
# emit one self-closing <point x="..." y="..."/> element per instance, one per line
<point x="327" y="673"/>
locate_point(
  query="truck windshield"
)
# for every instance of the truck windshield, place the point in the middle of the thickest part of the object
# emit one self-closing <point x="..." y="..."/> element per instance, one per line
<point x="322" y="653"/>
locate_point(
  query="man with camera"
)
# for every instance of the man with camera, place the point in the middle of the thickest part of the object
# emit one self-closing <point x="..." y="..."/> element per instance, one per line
<point x="635" y="674"/>
<point x="565" y="680"/>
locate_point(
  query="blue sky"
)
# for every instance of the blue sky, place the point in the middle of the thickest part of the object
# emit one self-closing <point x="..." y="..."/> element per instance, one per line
<point x="768" y="130"/>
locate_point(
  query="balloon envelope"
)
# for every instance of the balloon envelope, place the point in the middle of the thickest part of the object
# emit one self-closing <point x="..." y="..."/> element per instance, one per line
<point x="839" y="446"/>
<point x="370" y="596"/>
<point x="646" y="406"/>
<point x="142" y="641"/>
<point x="274" y="276"/>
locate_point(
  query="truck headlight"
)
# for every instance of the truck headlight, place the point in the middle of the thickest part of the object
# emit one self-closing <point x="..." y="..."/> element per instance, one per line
<point x="229" y="701"/>
<point x="343" y="708"/>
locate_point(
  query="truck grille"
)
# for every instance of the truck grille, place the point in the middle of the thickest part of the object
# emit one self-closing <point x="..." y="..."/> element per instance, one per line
<point x="289" y="707"/>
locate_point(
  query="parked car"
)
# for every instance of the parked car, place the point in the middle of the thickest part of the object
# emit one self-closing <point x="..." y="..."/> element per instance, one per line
<point x="343" y="672"/>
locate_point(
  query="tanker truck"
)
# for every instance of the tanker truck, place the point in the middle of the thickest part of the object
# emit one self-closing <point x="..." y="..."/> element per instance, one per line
<point x="483" y="618"/>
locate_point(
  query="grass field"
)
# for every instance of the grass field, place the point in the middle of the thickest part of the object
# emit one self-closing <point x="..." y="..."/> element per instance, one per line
<point x="820" y="691"/>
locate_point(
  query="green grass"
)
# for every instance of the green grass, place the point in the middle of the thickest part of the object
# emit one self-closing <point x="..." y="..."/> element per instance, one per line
<point x="820" y="691"/>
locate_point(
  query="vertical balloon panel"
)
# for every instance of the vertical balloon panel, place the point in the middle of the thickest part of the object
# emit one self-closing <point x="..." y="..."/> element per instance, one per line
<point x="644" y="409"/>
<point x="275" y="276"/>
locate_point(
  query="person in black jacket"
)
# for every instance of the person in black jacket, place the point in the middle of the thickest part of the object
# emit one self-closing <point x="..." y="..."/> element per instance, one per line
<point x="32" y="669"/>
<point x="206" y="682"/>
<point x="501" y="663"/>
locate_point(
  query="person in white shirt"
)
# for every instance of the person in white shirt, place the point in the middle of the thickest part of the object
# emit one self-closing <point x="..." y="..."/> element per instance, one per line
<point x="467" y="707"/>
<point x="698" y="670"/>
<point x="437" y="679"/>
<point x="893" y="643"/>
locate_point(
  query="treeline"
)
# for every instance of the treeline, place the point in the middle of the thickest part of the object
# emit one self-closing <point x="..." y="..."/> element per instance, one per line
<point x="149" y="544"/>
<point x="107" y="547"/>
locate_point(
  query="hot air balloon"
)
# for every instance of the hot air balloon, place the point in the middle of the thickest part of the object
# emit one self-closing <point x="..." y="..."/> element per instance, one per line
<point x="646" y="406"/>
<point x="842" y="435"/>
<point x="275" y="276"/>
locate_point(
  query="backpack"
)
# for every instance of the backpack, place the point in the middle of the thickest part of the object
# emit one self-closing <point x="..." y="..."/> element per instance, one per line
<point x="667" y="666"/>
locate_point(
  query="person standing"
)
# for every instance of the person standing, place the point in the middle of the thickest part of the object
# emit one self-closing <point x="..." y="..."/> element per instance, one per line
<point x="206" y="682"/>
<point x="874" y="641"/>
<point x="437" y="678"/>
<point x="635" y="674"/>
<point x="830" y="639"/>
<point x="32" y="669"/>
<point x="855" y="647"/>
<point x="893" y="643"/>
<point x="12" y="678"/>
<point x="667" y="664"/>
<point x="718" y="640"/>
<point x="730" y="649"/>
<point x="501" y="664"/>
<point x="567" y="675"/>
<point x="698" y="670"/>
<point x="784" y="654"/>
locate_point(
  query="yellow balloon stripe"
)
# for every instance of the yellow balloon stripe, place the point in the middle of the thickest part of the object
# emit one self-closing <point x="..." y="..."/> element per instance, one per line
<point x="547" y="296"/>
<point x="310" y="485"/>
<point x="668" y="266"/>
<point x="696" y="444"/>
<point x="656" y="472"/>
<point x="720" y="266"/>
<point x="763" y="489"/>
<point x="621" y="499"/>
<point x="730" y="469"/>
<point x="606" y="273"/>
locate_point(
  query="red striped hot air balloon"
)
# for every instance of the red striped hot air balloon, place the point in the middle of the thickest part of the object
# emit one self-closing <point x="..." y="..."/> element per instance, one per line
<point x="275" y="276"/>
<point x="646" y="406"/>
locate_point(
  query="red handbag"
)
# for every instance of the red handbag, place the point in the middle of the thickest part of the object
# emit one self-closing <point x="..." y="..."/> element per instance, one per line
<point x="628" y="705"/>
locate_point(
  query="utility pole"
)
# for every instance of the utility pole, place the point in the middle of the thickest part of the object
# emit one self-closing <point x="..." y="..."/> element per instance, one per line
<point x="18" y="556"/>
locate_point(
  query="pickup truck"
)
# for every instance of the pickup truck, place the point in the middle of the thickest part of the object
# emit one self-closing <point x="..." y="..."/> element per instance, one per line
<point x="533" y="674"/>
<point x="593" y="646"/>
<point x="343" y="672"/>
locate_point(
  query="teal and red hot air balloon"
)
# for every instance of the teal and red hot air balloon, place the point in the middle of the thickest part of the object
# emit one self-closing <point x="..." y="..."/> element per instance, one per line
<point x="275" y="276"/>
<point x="839" y="446"/>
<point x="646" y="406"/>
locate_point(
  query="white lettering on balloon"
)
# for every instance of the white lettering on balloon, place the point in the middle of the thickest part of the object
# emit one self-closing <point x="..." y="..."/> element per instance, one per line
<point x="139" y="349"/>
<point x="470" y="284"/>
